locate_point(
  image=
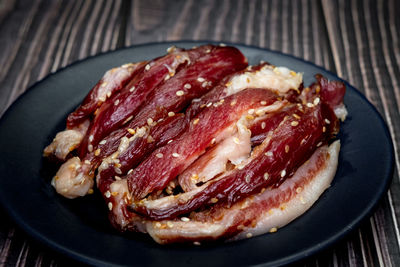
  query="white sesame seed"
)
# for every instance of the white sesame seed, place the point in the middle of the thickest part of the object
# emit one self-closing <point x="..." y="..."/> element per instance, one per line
<point x="209" y="104"/>
<point x="102" y="98"/>
<point x="158" y="224"/>
<point x="327" y="121"/>
<point x="263" y="124"/>
<point x="248" y="235"/>
<point x="132" y="89"/>
<point x="316" y="101"/>
<point x="91" y="138"/>
<point x="107" y="194"/>
<point x="171" y="114"/>
<point x="90" y="148"/>
<point x="103" y="84"/>
<point x="87" y="162"/>
<point x="149" y="121"/>
<point x="236" y="140"/>
<point x="294" y="123"/>
<point x="310" y="105"/>
<point x="195" y="121"/>
<point x="169" y="141"/>
<point x="159" y="155"/>
<point x="116" y="102"/>
<point x="185" y="219"/>
<point x="110" y="205"/>
<point x="175" y="155"/>
<point x="251" y="111"/>
<point x="283" y="173"/>
<point x="147" y="67"/>
<point x="287" y="148"/>
<point x="269" y="154"/>
<point x="200" y="79"/>
<point x="213" y="141"/>
<point x="204" y="84"/>
<point x="180" y="93"/>
<point x="130" y="171"/>
<point x="266" y="176"/>
<point x="263" y="103"/>
<point x="196" y="243"/>
<point x="187" y="86"/>
<point x="170" y="224"/>
<point x="273" y="230"/>
<point x="109" y="94"/>
<point x="103" y="142"/>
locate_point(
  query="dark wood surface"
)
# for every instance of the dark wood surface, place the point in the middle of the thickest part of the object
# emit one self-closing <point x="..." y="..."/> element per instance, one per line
<point x="357" y="40"/>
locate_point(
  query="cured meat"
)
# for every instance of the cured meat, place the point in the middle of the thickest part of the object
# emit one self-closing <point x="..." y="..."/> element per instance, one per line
<point x="269" y="164"/>
<point x="193" y="146"/>
<point x="211" y="125"/>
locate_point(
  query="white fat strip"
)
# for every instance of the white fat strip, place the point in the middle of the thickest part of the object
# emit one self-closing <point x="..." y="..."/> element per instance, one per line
<point x="113" y="78"/>
<point x="66" y="141"/>
<point x="275" y="78"/>
<point x="70" y="182"/>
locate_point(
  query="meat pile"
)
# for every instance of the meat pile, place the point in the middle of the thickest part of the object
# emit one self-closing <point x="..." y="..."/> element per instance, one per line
<point x="196" y="145"/>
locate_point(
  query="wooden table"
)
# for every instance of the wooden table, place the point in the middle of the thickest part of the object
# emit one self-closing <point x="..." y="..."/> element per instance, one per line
<point x="357" y="40"/>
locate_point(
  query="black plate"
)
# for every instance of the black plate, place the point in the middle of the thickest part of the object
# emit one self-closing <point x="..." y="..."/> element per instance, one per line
<point x="80" y="229"/>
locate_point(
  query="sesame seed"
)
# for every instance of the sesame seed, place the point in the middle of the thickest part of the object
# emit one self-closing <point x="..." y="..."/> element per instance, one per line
<point x="263" y="103"/>
<point x="323" y="129"/>
<point x="222" y="44"/>
<point x="200" y="79"/>
<point x="158" y="224"/>
<point x="159" y="155"/>
<point x="248" y="235"/>
<point x="263" y="124"/>
<point x="87" y="162"/>
<point x="97" y="152"/>
<point x="116" y="102"/>
<point x="195" y="121"/>
<point x="273" y="230"/>
<point x="233" y="103"/>
<point x="131" y="131"/>
<point x="214" y="200"/>
<point x="170" y="224"/>
<point x="150" y="139"/>
<point x="251" y="111"/>
<point x="196" y="243"/>
<point x="175" y="155"/>
<point x="171" y="49"/>
<point x="269" y="154"/>
<point x="316" y="101"/>
<point x="107" y="194"/>
<point x="287" y="148"/>
<point x="103" y="142"/>
<point x="110" y="205"/>
<point x="91" y="138"/>
<point x="283" y="173"/>
<point x="102" y="98"/>
<point x="147" y="67"/>
<point x="187" y="86"/>
<point x="310" y="105"/>
<point x="171" y="114"/>
<point x="302" y="141"/>
<point x="298" y="189"/>
<point x="296" y="116"/>
<point x="132" y="89"/>
<point x="236" y="140"/>
<point x="169" y="141"/>
<point x="209" y="105"/>
<point x="327" y="121"/>
<point x="266" y="176"/>
<point x="90" y="148"/>
<point x="130" y="171"/>
<point x="185" y="219"/>
<point x="319" y="144"/>
<point x="180" y="93"/>
<point x="204" y="84"/>
<point x="294" y="123"/>
<point x="213" y="141"/>
<point x="103" y="84"/>
<point x="149" y="121"/>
